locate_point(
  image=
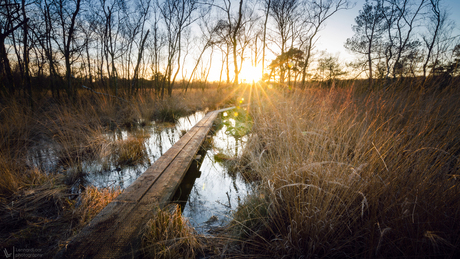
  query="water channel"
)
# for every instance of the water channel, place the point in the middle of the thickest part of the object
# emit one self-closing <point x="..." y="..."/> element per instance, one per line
<point x="209" y="192"/>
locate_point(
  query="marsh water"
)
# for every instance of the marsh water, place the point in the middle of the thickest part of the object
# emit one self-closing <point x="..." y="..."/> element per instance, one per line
<point x="209" y="191"/>
<point x="157" y="139"/>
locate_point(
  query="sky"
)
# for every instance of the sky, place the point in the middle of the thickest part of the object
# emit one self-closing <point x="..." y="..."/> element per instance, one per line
<point x="335" y="33"/>
<point x="338" y="28"/>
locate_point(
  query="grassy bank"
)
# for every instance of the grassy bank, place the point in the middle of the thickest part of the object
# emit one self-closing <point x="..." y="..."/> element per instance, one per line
<point x="352" y="173"/>
<point x="44" y="148"/>
<point x="342" y="172"/>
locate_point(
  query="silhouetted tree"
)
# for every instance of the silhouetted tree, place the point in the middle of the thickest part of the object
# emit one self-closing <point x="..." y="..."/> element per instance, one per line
<point x="329" y="68"/>
<point x="290" y="61"/>
<point x="10" y="20"/>
<point x="315" y="14"/>
<point x="369" y="28"/>
<point x="177" y="16"/>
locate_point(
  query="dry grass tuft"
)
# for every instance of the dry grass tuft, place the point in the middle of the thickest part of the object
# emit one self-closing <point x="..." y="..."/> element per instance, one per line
<point x="168" y="235"/>
<point x="93" y="200"/>
<point x="129" y="151"/>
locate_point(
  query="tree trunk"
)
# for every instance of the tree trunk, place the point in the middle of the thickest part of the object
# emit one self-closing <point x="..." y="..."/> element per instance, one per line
<point x="139" y="58"/>
<point x="67" y="52"/>
<point x="235" y="41"/>
<point x="369" y="60"/>
<point x="264" y="38"/>
<point x="26" y="54"/>
<point x="6" y="68"/>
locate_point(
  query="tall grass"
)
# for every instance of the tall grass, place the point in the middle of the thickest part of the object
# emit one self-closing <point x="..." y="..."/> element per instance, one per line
<point x="347" y="173"/>
<point x="92" y="201"/>
<point x="43" y="152"/>
<point x="169" y="235"/>
<point x="17" y="133"/>
<point x="72" y="131"/>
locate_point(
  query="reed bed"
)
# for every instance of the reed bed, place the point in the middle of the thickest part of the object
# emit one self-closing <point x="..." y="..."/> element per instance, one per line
<point x="44" y="150"/>
<point x="352" y="173"/>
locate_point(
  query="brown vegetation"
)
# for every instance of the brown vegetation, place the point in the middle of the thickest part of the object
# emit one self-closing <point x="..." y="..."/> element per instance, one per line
<point x="352" y="173"/>
<point x="169" y="235"/>
<point x="43" y="150"/>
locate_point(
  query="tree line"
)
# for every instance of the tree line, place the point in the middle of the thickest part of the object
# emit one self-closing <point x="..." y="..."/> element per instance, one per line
<point x="126" y="46"/>
<point x="404" y="38"/>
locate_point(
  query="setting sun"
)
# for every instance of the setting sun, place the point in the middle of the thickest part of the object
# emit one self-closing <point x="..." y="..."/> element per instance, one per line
<point x="251" y="74"/>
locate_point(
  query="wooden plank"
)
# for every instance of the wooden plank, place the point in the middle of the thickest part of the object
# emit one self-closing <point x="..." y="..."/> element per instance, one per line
<point x="137" y="189"/>
<point x="167" y="184"/>
<point x="115" y="231"/>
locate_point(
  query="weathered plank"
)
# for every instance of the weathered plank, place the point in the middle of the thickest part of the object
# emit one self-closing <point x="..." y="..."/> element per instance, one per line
<point x="115" y="232"/>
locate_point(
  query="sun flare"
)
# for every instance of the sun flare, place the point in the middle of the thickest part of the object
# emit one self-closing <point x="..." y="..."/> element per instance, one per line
<point x="251" y="74"/>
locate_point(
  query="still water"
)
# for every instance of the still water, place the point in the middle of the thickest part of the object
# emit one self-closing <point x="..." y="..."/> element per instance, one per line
<point x="159" y="138"/>
<point x="209" y="192"/>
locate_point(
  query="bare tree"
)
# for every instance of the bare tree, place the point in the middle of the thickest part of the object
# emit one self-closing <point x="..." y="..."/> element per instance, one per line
<point x="154" y="50"/>
<point x="403" y="23"/>
<point x="221" y="30"/>
<point x="369" y="28"/>
<point x="436" y="40"/>
<point x="285" y="14"/>
<point x="112" y="15"/>
<point x="10" y="21"/>
<point x="143" y="10"/>
<point x="177" y="16"/>
<point x="25" y="52"/>
<point x="237" y="19"/>
<point x="46" y="38"/>
<point x="209" y="39"/>
<point x="317" y="13"/>
<point x="67" y="11"/>
<point x="267" y="4"/>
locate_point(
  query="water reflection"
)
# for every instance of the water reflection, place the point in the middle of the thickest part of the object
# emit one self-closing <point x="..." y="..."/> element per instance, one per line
<point x="162" y="136"/>
<point x="209" y="191"/>
<point x="213" y="190"/>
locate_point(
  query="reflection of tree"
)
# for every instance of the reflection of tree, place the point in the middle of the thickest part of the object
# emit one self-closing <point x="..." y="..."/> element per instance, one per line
<point x="171" y="135"/>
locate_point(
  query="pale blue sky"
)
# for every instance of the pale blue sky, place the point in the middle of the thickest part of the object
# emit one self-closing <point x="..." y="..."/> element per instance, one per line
<point x="338" y="28"/>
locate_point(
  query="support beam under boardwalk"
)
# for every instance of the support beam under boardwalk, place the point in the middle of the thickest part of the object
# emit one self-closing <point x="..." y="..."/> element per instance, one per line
<point x="116" y="231"/>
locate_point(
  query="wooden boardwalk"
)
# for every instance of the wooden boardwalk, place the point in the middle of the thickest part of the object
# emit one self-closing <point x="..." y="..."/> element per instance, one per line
<point x="116" y="231"/>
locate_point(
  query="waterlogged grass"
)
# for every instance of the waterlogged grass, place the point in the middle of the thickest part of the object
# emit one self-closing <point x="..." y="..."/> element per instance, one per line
<point x="130" y="151"/>
<point x="169" y="235"/>
<point x="348" y="173"/>
<point x="72" y="131"/>
<point x="45" y="151"/>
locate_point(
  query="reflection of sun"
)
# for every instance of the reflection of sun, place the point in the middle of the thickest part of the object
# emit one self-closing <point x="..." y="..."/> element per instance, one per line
<point x="250" y="74"/>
